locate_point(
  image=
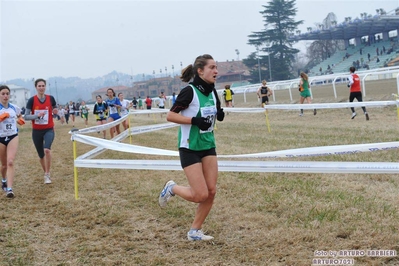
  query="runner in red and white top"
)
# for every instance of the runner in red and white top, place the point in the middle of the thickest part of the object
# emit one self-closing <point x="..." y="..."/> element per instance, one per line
<point x="40" y="109"/>
<point x="355" y="91"/>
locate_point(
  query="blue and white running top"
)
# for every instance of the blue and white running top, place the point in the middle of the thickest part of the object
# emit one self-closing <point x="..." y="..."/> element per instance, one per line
<point x="9" y="126"/>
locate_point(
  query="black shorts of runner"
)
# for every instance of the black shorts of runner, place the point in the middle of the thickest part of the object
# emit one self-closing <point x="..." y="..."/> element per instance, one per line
<point x="356" y="95"/>
<point x="6" y="140"/>
<point x="265" y="99"/>
<point x="101" y="119"/>
<point x="189" y="157"/>
<point x="42" y="139"/>
<point x="161" y="107"/>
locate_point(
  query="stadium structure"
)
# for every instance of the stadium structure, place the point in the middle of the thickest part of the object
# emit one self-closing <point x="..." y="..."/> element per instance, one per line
<point x="370" y="42"/>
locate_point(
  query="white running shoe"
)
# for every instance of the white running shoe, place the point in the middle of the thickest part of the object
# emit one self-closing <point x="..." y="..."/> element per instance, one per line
<point x="166" y="193"/>
<point x="10" y="194"/>
<point x="47" y="179"/>
<point x="198" y="235"/>
<point x="353" y="115"/>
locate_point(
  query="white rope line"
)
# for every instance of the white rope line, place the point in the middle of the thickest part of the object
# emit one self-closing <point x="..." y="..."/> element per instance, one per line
<point x="97" y="128"/>
<point x="151" y="111"/>
<point x="330" y="105"/>
<point x="122" y="147"/>
<point x="251" y="166"/>
<point x="133" y="131"/>
<point x="240" y="166"/>
<point x="310" y="106"/>
<point x="290" y="153"/>
<point x="102" y="127"/>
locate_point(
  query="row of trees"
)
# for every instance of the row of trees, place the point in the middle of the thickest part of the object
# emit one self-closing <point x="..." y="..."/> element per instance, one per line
<point x="274" y="43"/>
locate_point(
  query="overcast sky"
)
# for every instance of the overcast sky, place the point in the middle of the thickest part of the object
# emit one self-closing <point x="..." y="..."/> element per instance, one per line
<point x="92" y="38"/>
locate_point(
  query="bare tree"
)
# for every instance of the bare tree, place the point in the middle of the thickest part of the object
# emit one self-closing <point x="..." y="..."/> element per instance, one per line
<point x="320" y="50"/>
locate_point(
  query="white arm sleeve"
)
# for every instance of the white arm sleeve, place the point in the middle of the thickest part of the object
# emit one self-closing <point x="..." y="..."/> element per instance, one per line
<point x="350" y="78"/>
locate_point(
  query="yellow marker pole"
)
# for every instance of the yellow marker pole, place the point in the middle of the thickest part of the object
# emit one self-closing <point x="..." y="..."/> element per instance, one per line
<point x="267" y="118"/>
<point x="267" y="121"/>
<point x="75" y="170"/>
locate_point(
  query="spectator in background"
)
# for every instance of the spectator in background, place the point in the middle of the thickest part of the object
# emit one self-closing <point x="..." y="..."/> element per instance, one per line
<point x="134" y="103"/>
<point x="228" y="96"/>
<point x="162" y="100"/>
<point x="173" y="98"/>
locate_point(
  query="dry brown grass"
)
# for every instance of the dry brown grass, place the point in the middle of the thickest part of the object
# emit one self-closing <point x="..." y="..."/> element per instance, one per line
<point x="257" y="219"/>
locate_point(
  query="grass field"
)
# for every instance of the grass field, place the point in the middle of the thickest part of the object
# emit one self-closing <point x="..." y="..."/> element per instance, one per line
<point x="257" y="218"/>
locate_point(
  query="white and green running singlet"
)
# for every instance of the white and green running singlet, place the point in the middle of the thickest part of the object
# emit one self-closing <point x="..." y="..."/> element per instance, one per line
<point x="191" y="137"/>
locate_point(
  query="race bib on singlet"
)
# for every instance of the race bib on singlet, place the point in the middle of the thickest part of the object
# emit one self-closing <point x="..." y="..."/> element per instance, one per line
<point x="41" y="120"/>
<point x="209" y="113"/>
<point x="113" y="110"/>
<point x="8" y="127"/>
<point x="124" y="112"/>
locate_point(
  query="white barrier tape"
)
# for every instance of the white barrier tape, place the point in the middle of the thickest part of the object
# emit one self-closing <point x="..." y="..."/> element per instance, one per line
<point x="251" y="166"/>
<point x="99" y="127"/>
<point x="123" y="135"/>
<point x="301" y="152"/>
<point x="144" y="129"/>
<point x="320" y="151"/>
<point x="151" y="111"/>
<point x="243" y="110"/>
<point x="99" y="150"/>
<point x="112" y="145"/>
<point x="327" y="105"/>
